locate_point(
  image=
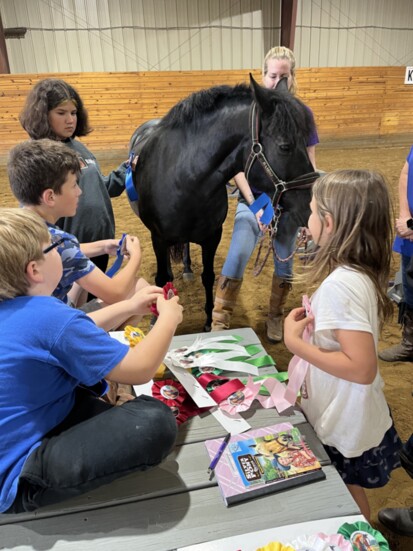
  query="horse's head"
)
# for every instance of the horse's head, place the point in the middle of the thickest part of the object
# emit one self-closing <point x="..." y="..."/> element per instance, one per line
<point x="280" y="128"/>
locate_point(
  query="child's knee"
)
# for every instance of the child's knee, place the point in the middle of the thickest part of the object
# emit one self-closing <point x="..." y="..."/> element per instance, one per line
<point x="140" y="284"/>
<point x="155" y="424"/>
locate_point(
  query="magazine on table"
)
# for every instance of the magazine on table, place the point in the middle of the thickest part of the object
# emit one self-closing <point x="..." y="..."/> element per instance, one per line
<point x="263" y="461"/>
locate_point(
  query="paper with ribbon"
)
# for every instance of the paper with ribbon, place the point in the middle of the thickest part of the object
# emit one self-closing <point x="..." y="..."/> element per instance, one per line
<point x="201" y="370"/>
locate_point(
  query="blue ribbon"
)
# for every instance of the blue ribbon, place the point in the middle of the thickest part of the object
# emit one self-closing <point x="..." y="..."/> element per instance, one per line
<point x="130" y="188"/>
<point x="263" y="202"/>
<point x="119" y="259"/>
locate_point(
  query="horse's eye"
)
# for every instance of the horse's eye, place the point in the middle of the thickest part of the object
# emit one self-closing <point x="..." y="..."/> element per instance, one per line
<point x="285" y="147"/>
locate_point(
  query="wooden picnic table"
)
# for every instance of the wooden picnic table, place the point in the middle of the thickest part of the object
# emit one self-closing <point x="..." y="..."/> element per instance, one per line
<point x="177" y="504"/>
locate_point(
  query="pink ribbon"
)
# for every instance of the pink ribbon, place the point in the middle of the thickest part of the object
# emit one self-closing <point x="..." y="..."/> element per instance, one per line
<point x="281" y="396"/>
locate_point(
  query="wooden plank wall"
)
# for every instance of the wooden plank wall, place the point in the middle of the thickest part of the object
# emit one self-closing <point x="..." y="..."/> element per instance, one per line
<point x="348" y="103"/>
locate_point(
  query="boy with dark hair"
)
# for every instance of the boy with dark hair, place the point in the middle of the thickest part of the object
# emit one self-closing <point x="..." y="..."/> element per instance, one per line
<point x="54" y="432"/>
<point x="44" y="176"/>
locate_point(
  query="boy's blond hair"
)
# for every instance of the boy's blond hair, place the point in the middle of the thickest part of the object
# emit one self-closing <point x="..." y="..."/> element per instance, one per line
<point x="23" y="235"/>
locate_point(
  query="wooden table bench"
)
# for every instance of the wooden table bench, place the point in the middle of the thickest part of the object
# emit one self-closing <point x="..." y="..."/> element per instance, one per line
<point x="176" y="504"/>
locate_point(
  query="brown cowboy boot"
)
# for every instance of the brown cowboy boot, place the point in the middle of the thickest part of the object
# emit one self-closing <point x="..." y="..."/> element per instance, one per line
<point x="279" y="293"/>
<point x="226" y="295"/>
<point x="402" y="352"/>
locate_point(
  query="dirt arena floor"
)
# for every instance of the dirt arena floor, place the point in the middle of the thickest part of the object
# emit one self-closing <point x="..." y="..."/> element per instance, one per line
<point x="252" y="307"/>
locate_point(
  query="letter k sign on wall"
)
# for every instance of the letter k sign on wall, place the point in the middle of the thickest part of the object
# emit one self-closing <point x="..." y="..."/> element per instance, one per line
<point x="408" y="77"/>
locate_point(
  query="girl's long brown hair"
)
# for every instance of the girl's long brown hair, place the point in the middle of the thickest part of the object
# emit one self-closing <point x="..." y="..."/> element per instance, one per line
<point x="359" y="203"/>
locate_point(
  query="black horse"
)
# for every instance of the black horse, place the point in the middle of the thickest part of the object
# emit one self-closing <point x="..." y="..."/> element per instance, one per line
<point x="187" y="158"/>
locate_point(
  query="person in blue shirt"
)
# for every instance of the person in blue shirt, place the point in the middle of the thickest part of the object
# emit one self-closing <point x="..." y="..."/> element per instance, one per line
<point x="403" y="244"/>
<point x="54" y="428"/>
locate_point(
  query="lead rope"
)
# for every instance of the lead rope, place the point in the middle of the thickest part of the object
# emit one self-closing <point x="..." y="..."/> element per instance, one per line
<point x="301" y="240"/>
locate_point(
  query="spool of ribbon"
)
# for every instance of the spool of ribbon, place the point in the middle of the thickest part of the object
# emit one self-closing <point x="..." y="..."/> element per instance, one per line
<point x="169" y="291"/>
<point x="119" y="259"/>
<point x="362" y="536"/>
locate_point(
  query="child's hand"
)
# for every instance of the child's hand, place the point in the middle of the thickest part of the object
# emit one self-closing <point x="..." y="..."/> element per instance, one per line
<point x="294" y="325"/>
<point x="258" y="216"/>
<point x="132" y="246"/>
<point x="170" y="307"/>
<point x="111" y="246"/>
<point x="143" y="299"/>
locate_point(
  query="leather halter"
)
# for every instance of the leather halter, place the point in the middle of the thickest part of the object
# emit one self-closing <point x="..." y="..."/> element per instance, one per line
<point x="257" y="154"/>
<point x="301" y="182"/>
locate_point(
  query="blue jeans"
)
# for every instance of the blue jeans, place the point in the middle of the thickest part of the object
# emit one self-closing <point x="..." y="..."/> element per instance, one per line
<point x="407" y="289"/>
<point x="94" y="445"/>
<point x="244" y="238"/>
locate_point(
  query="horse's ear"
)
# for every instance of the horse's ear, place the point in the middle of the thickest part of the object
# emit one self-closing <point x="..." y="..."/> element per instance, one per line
<point x="261" y="95"/>
<point x="282" y="85"/>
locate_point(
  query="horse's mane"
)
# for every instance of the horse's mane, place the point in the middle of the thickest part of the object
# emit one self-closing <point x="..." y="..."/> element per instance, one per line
<point x="292" y="117"/>
<point x="289" y="118"/>
<point x="204" y="101"/>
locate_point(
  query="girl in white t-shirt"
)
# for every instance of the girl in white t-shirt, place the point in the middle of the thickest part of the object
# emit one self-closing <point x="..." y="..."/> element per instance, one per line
<point x="342" y="394"/>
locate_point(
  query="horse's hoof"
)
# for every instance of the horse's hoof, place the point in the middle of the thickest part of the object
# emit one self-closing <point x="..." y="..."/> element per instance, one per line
<point x="188" y="276"/>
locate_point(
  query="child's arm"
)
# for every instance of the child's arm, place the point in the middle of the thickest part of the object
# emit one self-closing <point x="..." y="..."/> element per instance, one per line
<point x="115" y="314"/>
<point x="121" y="285"/>
<point x="141" y="362"/>
<point x="356" y="361"/>
<point x="97" y="248"/>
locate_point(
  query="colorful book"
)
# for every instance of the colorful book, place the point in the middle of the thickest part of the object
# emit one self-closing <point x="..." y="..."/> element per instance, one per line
<point x="263" y="461"/>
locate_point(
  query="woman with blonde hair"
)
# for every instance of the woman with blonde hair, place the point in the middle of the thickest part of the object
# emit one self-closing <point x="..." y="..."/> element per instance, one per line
<point x="279" y="63"/>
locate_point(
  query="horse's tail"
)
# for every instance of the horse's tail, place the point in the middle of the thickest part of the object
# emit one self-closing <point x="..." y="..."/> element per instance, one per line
<point x="177" y="252"/>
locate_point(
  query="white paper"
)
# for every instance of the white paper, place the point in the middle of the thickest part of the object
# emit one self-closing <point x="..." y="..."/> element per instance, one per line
<point x="235" y="424"/>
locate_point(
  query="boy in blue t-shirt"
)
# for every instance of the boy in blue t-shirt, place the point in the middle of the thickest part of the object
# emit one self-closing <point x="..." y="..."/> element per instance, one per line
<point x="54" y="431"/>
<point x="44" y="177"/>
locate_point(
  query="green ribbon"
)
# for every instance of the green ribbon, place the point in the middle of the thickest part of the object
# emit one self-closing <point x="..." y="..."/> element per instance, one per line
<point x="282" y="376"/>
<point x="197" y="372"/>
<point x="371" y="539"/>
<point x="252" y="349"/>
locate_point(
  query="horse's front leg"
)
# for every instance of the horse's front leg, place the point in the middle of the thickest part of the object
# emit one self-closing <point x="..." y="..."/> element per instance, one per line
<point x="163" y="271"/>
<point x="209" y="248"/>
